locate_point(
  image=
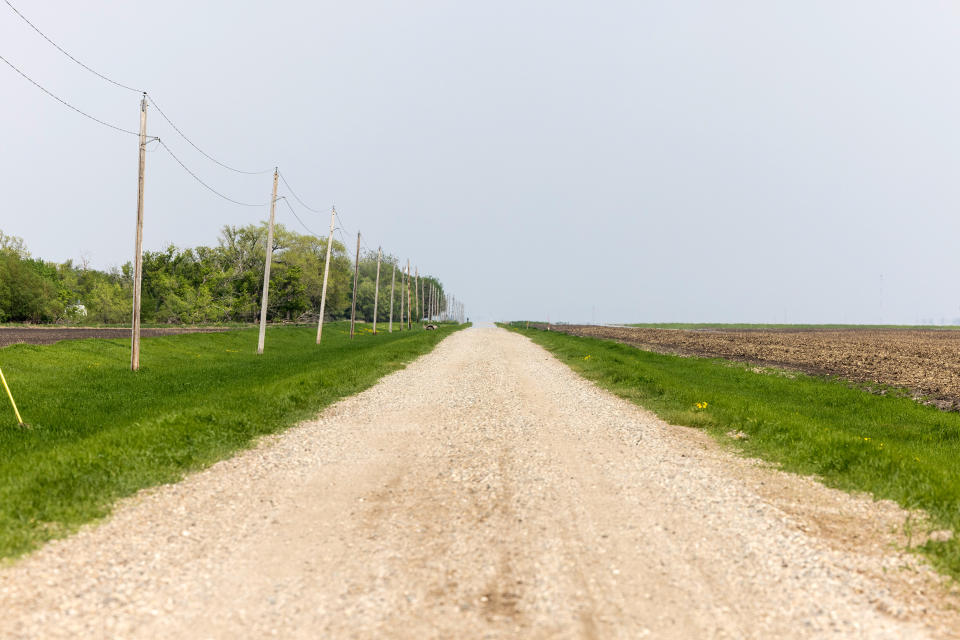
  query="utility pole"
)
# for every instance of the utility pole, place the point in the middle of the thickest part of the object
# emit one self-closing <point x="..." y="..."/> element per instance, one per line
<point x="356" y="278"/>
<point x="326" y="273"/>
<point x="266" y="268"/>
<point x="409" y="306"/>
<point x="393" y="280"/>
<point x="416" y="294"/>
<point x="402" y="281"/>
<point x="138" y="246"/>
<point x="376" y="290"/>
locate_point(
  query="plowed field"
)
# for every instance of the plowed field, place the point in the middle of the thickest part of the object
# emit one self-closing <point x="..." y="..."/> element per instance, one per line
<point x="49" y="335"/>
<point x="925" y="362"/>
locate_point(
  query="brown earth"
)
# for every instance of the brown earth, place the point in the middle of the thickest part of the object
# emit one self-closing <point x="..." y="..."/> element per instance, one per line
<point x="925" y="362"/>
<point x="49" y="335"/>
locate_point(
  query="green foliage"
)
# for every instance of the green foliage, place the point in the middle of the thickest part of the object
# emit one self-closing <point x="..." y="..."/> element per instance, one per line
<point x="203" y="285"/>
<point x="891" y="447"/>
<point x="99" y="432"/>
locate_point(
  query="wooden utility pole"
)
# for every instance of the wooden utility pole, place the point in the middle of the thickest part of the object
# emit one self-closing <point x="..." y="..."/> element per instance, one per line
<point x="393" y="281"/>
<point x="409" y="306"/>
<point x="376" y="290"/>
<point x="138" y="247"/>
<point x="356" y="278"/>
<point x="326" y="273"/>
<point x="402" y="281"/>
<point x="416" y="294"/>
<point x="266" y="268"/>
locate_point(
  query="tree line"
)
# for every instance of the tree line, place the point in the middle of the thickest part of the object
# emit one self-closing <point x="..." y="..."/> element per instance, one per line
<point x="200" y="285"/>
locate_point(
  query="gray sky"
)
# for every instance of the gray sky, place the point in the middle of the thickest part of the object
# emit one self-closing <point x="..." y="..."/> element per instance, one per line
<point x="623" y="161"/>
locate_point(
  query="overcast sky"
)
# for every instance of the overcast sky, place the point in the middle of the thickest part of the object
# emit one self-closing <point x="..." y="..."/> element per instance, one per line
<point x="617" y="161"/>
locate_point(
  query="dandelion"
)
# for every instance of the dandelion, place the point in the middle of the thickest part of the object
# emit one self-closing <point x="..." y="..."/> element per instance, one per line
<point x="586" y="357"/>
<point x="701" y="405"/>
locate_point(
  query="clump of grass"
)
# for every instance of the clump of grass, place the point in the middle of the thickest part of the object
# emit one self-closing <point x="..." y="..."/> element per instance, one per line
<point x="100" y="432"/>
<point x="889" y="446"/>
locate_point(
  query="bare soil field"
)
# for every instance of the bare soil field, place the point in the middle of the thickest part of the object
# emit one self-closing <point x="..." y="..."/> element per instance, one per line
<point x="49" y="335"/>
<point x="925" y="362"/>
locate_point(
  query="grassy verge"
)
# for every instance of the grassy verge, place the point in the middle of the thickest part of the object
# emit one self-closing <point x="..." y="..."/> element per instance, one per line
<point x="99" y="432"/>
<point x="890" y="447"/>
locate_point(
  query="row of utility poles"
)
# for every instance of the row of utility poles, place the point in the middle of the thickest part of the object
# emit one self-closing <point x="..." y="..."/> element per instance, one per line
<point x="431" y="304"/>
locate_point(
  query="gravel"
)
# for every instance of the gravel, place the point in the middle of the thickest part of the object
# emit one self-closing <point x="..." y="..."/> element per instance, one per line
<point x="485" y="491"/>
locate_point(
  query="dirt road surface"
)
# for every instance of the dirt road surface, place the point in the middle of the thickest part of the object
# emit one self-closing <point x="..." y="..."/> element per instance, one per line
<point x="483" y="492"/>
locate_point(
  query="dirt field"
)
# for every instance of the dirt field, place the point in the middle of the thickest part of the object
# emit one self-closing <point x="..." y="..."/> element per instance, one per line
<point x="49" y="335"/>
<point x="926" y="362"/>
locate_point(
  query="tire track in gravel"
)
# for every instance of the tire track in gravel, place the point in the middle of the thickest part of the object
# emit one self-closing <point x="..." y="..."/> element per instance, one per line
<point x="485" y="491"/>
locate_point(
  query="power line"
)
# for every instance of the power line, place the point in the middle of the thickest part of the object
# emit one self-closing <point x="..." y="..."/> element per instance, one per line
<point x="340" y="219"/>
<point x="289" y="206"/>
<point x="123" y="86"/>
<point x="197" y="178"/>
<point x="205" y="154"/>
<point x="342" y="238"/>
<point x="294" y="194"/>
<point x="61" y="50"/>
<point x="64" y="102"/>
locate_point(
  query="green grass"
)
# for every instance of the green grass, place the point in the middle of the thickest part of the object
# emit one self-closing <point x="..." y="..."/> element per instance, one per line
<point x="890" y="447"/>
<point x="747" y="325"/>
<point x="99" y="432"/>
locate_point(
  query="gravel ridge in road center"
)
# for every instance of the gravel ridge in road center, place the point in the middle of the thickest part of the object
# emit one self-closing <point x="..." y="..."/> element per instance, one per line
<point x="485" y="491"/>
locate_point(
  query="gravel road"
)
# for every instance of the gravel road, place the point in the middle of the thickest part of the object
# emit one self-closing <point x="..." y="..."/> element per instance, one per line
<point x="485" y="491"/>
